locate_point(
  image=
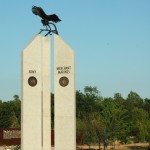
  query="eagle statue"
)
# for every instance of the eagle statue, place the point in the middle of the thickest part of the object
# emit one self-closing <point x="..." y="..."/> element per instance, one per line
<point x="46" y="19"/>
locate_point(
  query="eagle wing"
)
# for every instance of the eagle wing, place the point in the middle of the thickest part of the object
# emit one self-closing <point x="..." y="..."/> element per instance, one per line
<point x="38" y="11"/>
<point x="53" y="18"/>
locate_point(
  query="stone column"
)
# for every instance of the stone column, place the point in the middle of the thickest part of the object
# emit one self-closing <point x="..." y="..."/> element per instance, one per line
<point x="35" y="109"/>
<point x="64" y="89"/>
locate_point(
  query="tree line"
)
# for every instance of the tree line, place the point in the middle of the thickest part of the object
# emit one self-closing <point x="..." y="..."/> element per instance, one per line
<point x="99" y="119"/>
<point x="106" y="120"/>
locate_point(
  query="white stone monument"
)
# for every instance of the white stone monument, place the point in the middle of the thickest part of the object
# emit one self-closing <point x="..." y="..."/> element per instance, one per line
<point x="35" y="132"/>
<point x="65" y="104"/>
<point x="35" y="122"/>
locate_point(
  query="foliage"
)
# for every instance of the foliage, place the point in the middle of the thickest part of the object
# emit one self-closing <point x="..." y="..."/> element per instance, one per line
<point x="122" y="119"/>
<point x="52" y="110"/>
<point x="10" y="113"/>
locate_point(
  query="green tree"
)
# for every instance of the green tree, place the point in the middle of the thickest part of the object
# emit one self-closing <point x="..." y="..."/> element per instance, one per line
<point x="119" y="100"/>
<point x="16" y="97"/>
<point x="89" y="134"/>
<point x="133" y="100"/>
<point x="91" y="98"/>
<point x="115" y="120"/>
<point x="5" y="115"/>
<point x="10" y="113"/>
<point x="99" y="126"/>
<point x="52" y="110"/>
<point x="147" y="105"/>
<point x="87" y="106"/>
<point x="80" y="105"/>
<point x="80" y="130"/>
<point x="140" y="124"/>
<point x="16" y="111"/>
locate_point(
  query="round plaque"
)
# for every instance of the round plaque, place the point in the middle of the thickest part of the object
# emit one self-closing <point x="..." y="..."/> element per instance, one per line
<point x="32" y="81"/>
<point x="63" y="81"/>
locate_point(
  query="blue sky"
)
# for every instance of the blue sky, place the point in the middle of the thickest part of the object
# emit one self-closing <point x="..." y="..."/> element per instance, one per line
<point x="111" y="39"/>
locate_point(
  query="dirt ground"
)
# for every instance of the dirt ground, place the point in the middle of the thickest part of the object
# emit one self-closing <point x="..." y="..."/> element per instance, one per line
<point x="135" y="146"/>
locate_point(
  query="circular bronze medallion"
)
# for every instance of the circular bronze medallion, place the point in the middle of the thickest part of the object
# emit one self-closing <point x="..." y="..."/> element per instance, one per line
<point x="32" y="81"/>
<point x="63" y="81"/>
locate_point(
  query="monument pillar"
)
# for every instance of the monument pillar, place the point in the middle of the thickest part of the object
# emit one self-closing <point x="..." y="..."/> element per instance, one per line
<point x="35" y="111"/>
<point x="64" y="89"/>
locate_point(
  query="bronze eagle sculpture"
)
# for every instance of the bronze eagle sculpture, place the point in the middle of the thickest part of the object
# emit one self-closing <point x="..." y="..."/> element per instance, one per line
<point x="46" y="19"/>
